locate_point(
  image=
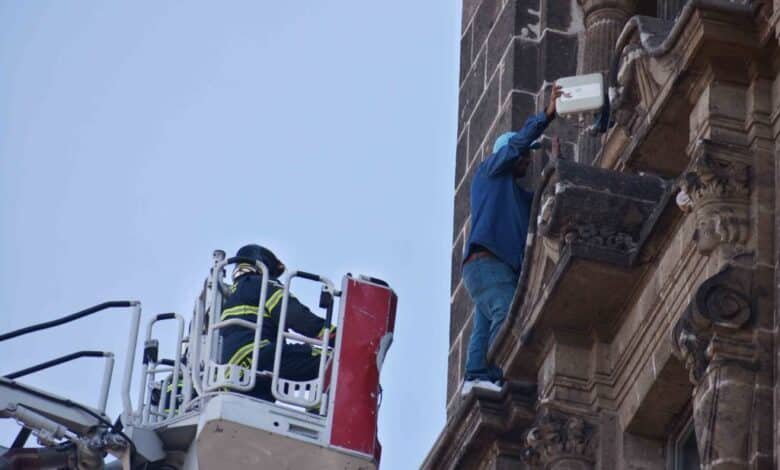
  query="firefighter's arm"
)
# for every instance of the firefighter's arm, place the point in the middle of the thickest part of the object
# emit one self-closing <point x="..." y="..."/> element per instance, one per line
<point x="302" y="320"/>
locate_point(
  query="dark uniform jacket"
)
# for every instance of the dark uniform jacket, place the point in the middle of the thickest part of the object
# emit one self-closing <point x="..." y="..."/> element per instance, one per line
<point x="242" y="303"/>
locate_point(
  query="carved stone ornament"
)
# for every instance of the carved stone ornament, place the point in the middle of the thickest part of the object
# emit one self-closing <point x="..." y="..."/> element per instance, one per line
<point x="559" y="441"/>
<point x="719" y="190"/>
<point x="721" y="305"/>
<point x="608" y="237"/>
<point x="715" y="341"/>
<point x="640" y="71"/>
<point x="603" y="212"/>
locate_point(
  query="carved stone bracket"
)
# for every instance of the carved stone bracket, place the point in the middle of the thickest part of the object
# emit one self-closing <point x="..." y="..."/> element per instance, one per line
<point x="602" y="214"/>
<point x="714" y="338"/>
<point x="560" y="441"/>
<point x="718" y="186"/>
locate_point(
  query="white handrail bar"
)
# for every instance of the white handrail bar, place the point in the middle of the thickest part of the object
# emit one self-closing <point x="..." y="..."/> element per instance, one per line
<point x="127" y="402"/>
<point x="108" y="371"/>
<point x="195" y="333"/>
<point x="235" y="322"/>
<point x="216" y="323"/>
<point x="282" y="334"/>
<point x="152" y="368"/>
<point x="303" y="339"/>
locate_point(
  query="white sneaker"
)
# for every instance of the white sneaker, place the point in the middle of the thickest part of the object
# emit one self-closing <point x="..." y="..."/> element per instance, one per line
<point x="469" y="385"/>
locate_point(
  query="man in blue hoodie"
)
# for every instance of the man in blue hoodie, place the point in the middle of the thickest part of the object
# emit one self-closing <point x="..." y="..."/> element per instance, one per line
<point x="493" y="255"/>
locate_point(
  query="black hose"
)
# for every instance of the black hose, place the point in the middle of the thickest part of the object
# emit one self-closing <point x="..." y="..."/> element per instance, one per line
<point x="55" y="362"/>
<point x="67" y="318"/>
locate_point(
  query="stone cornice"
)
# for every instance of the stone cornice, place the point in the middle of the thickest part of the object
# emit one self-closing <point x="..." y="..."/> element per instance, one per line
<point x="482" y="417"/>
<point x="659" y="70"/>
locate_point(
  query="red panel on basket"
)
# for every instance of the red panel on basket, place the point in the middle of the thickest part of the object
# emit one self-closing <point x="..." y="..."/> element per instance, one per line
<point x="369" y="315"/>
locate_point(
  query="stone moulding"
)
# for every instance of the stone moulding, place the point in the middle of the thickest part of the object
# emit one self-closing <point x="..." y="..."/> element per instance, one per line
<point x="715" y="339"/>
<point x="608" y="214"/>
<point x="483" y="418"/>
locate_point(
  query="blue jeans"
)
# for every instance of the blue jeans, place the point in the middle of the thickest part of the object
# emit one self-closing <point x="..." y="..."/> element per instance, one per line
<point x="491" y="285"/>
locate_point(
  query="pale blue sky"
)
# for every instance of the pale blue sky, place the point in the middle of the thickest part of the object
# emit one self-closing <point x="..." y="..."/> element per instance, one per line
<point x="136" y="137"/>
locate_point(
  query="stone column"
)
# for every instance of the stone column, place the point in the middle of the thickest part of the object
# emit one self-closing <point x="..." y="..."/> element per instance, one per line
<point x="604" y="20"/>
<point x="718" y="180"/>
<point x="560" y="441"/>
<point x="669" y="9"/>
<point x="715" y="339"/>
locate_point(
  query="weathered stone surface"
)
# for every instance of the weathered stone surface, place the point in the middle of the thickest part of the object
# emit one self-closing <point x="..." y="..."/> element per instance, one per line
<point x="669" y="9"/>
<point x="718" y="187"/>
<point x="560" y="441"/>
<point x="713" y="338"/>
<point x="472" y="88"/>
<point x="525" y="70"/>
<point x="484" y="20"/>
<point x="457" y="262"/>
<point x="559" y="55"/>
<point x="462" y="204"/>
<point x="461" y="157"/>
<point x="461" y="309"/>
<point x="469" y="8"/>
<point x="479" y="421"/>
<point x="614" y="265"/>
<point x="453" y="371"/>
<point x="465" y="53"/>
<point x="557" y="15"/>
<point x="485" y="114"/>
<point x="500" y="36"/>
<point x="603" y="212"/>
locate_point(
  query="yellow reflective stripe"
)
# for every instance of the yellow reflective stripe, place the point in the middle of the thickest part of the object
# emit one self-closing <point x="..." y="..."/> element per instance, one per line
<point x="273" y="302"/>
<point x="316" y="352"/>
<point x="169" y="388"/>
<point x="241" y="353"/>
<point x="322" y="331"/>
<point x="244" y="352"/>
<point x="238" y="310"/>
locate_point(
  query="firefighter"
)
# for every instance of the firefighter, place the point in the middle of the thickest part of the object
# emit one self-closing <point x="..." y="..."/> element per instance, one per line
<point x="300" y="362"/>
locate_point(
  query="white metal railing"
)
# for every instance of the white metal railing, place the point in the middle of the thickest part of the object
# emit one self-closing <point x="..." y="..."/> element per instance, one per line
<point x="308" y="394"/>
<point x="203" y="375"/>
<point x="231" y="376"/>
<point x="127" y="378"/>
<point x="168" y="401"/>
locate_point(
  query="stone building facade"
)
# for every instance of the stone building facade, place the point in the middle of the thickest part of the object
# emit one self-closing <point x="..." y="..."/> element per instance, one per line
<point x="643" y="330"/>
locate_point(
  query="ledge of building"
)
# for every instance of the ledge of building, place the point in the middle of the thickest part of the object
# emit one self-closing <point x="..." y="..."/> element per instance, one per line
<point x="481" y="418"/>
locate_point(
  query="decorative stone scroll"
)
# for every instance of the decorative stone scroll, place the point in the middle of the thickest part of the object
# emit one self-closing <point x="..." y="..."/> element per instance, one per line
<point x="715" y="340"/>
<point x="559" y="441"/>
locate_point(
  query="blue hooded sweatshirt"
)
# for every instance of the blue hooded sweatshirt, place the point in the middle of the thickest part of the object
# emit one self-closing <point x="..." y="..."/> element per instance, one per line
<point x="500" y="209"/>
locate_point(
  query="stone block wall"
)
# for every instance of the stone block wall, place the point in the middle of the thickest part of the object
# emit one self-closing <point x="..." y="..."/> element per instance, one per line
<point x="511" y="52"/>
